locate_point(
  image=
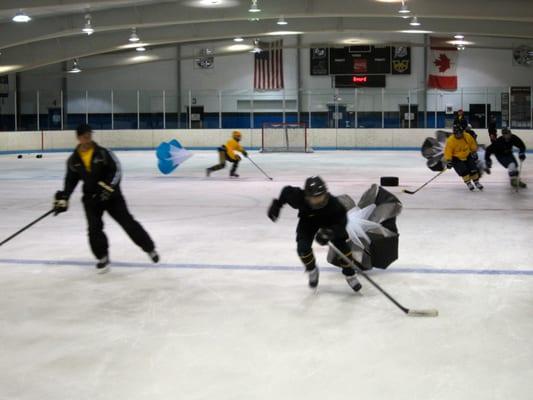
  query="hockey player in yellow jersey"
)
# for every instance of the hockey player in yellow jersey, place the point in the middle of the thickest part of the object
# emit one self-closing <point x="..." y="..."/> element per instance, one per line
<point x="461" y="154"/>
<point x="227" y="152"/>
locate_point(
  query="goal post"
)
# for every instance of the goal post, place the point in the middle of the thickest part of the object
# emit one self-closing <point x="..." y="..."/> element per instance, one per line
<point x="285" y="137"/>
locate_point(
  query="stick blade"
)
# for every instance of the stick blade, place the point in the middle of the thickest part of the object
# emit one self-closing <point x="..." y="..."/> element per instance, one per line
<point x="423" y="313"/>
<point x="408" y="191"/>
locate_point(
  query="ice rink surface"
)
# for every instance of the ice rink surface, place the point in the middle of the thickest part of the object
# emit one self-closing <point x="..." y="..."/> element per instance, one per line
<point x="227" y="315"/>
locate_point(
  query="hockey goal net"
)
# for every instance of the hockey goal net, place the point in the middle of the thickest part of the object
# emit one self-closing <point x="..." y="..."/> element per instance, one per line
<point x="285" y="137"/>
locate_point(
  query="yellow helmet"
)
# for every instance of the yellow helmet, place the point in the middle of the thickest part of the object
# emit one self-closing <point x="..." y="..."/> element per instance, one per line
<point x="236" y="135"/>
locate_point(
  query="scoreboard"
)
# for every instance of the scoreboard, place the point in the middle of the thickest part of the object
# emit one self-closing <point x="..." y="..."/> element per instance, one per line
<point x="348" y="60"/>
<point x="361" y="66"/>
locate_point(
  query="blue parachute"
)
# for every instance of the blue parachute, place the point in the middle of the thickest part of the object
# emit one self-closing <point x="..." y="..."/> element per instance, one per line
<point x="170" y="155"/>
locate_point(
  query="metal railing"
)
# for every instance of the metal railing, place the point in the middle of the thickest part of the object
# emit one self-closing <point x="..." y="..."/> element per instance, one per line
<point x="215" y="109"/>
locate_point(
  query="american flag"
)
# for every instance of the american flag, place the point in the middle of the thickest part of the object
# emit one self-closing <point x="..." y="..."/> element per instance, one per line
<point x="268" y="66"/>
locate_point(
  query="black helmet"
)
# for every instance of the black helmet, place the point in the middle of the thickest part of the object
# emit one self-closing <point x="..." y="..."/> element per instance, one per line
<point x="83" y="129"/>
<point x="457" y="129"/>
<point x="316" y="192"/>
<point x="506" y="131"/>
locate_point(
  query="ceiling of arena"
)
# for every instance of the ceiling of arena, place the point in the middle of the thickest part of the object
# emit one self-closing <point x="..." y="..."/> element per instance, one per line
<point x="54" y="33"/>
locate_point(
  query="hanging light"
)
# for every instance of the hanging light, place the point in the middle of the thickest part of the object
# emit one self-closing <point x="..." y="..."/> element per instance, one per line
<point x="75" y="69"/>
<point x="282" y="21"/>
<point x="414" y="22"/>
<point x="459" y="37"/>
<point x="256" y="48"/>
<point x="403" y="9"/>
<point x="88" y="29"/>
<point x="21" y="16"/>
<point x="140" y="48"/>
<point x="238" y="39"/>
<point x="254" y="8"/>
<point x="133" y="37"/>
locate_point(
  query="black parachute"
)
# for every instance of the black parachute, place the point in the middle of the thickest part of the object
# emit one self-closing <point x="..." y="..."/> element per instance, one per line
<point x="374" y="236"/>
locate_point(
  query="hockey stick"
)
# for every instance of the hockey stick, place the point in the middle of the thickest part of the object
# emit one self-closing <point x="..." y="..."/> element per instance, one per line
<point x="407" y="311"/>
<point x="425" y="184"/>
<point x="28" y="226"/>
<point x="259" y="168"/>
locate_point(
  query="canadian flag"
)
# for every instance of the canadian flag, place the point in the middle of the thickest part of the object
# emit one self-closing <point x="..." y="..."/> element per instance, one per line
<point x="443" y="65"/>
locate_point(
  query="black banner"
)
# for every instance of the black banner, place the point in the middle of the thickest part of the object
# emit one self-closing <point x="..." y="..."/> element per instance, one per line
<point x="319" y="61"/>
<point x="4" y="86"/>
<point x="401" y="60"/>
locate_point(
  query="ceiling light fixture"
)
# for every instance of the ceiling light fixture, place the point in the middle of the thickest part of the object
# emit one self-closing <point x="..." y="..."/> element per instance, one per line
<point x="21" y="16"/>
<point x="238" y="39"/>
<point x="283" y="33"/>
<point x="140" y="48"/>
<point x="134" y="38"/>
<point x="256" y="48"/>
<point x="75" y="69"/>
<point x="414" y="22"/>
<point x="254" y="8"/>
<point x="88" y="29"/>
<point x="459" y="37"/>
<point x="282" y="21"/>
<point x="416" y="31"/>
<point x="404" y="9"/>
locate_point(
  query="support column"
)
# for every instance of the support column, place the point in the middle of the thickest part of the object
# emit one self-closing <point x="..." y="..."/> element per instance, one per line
<point x="178" y="83"/>
<point x="299" y="75"/>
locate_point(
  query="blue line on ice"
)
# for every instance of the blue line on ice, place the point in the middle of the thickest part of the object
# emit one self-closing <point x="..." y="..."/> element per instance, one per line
<point x="403" y="270"/>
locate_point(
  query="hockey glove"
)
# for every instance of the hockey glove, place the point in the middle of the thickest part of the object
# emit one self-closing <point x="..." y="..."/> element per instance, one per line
<point x="273" y="211"/>
<point x="60" y="202"/>
<point x="474" y="156"/>
<point x="522" y="156"/>
<point x="323" y="236"/>
<point x="106" y="192"/>
<point x="245" y="153"/>
<point x="449" y="164"/>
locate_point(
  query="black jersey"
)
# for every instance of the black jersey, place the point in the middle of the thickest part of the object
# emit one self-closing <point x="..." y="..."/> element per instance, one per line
<point x="105" y="167"/>
<point x="503" y="147"/>
<point x="334" y="213"/>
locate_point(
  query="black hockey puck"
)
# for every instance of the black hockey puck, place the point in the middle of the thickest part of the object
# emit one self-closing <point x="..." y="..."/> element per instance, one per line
<point x="19" y="156"/>
<point x="389" y="181"/>
<point x="39" y="156"/>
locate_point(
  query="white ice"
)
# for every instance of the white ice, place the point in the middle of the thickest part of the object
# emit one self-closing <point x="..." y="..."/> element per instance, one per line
<point x="227" y="315"/>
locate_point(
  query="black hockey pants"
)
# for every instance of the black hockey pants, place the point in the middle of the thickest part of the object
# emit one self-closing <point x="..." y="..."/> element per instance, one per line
<point x="223" y="157"/>
<point x="305" y="234"/>
<point x="117" y="209"/>
<point x="508" y="161"/>
<point x="467" y="169"/>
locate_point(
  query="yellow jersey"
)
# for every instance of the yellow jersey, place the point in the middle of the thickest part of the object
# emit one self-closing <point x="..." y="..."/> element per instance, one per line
<point x="460" y="148"/>
<point x="231" y="147"/>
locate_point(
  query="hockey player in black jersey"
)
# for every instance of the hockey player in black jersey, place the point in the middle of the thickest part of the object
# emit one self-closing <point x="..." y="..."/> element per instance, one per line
<point x="100" y="171"/>
<point x="321" y="216"/>
<point x="502" y="148"/>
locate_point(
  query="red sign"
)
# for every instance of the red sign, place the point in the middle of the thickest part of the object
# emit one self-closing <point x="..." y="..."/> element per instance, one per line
<point x="360" y="65"/>
<point x="360" y="79"/>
